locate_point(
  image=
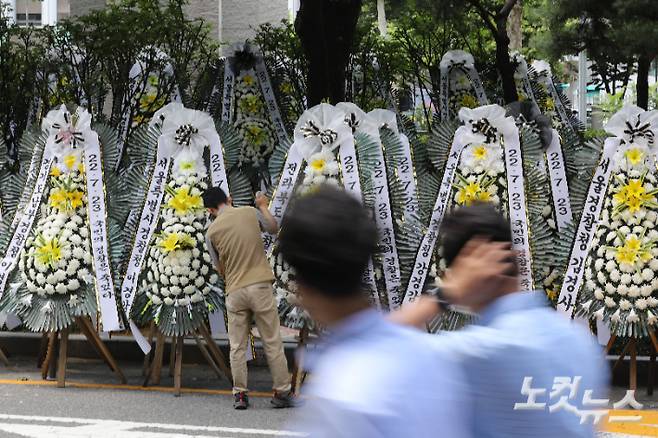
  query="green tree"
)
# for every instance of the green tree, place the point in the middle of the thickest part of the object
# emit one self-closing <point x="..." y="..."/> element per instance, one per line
<point x="617" y="34"/>
<point x="22" y="58"/>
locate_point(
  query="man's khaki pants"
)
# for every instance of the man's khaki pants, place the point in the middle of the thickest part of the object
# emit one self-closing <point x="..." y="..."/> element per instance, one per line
<point x="255" y="301"/>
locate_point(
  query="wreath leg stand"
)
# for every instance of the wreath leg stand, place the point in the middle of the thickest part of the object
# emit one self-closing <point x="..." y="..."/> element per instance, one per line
<point x="3" y="358"/>
<point x="298" y="373"/>
<point x="631" y="349"/>
<point x="56" y="356"/>
<point x="209" y="350"/>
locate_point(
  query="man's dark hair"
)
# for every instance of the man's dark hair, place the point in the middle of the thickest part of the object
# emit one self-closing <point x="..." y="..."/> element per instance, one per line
<point x="328" y="238"/>
<point x="480" y="219"/>
<point x="214" y="197"/>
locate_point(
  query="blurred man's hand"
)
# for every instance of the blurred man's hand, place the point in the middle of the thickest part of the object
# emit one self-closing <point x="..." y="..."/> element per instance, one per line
<point x="476" y="274"/>
<point x="262" y="201"/>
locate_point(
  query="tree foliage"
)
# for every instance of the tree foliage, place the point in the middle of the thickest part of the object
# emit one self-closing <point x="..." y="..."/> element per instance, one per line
<point x="619" y="35"/>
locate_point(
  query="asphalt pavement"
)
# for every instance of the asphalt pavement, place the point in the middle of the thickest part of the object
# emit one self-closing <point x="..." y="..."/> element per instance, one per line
<point x="94" y="405"/>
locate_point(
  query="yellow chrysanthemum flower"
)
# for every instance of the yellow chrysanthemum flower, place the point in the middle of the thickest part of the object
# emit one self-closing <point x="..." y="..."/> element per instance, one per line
<point x="472" y="192"/>
<point x="633" y="196"/>
<point x="480" y="152"/>
<point x="248" y="80"/>
<point x="469" y="101"/>
<point x="65" y="200"/>
<point x="634" y="156"/>
<point x="48" y="252"/>
<point x="633" y="251"/>
<point x="183" y="202"/>
<point x="187" y="165"/>
<point x="69" y="161"/>
<point x="174" y="241"/>
<point x="318" y="164"/>
<point x="550" y="104"/>
<point x="55" y="171"/>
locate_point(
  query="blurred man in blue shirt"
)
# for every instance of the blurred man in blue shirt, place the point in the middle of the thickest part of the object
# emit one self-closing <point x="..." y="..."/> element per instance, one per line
<point x="518" y="337"/>
<point x="370" y="378"/>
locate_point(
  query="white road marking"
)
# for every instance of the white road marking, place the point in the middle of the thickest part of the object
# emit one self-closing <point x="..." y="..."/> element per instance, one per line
<point x="83" y="427"/>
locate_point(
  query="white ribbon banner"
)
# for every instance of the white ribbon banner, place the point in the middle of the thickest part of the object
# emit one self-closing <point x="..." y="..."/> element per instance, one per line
<point x="284" y="190"/>
<point x="424" y="256"/>
<point x="384" y="222"/>
<point x="559" y="186"/>
<point x="227" y="94"/>
<point x="586" y="229"/>
<point x="23" y="226"/>
<point x="559" y="106"/>
<point x="270" y="100"/>
<point x="517" y="208"/>
<point x="405" y="171"/>
<point x="147" y="222"/>
<point x="477" y="86"/>
<point x="96" y="212"/>
<point x="352" y="183"/>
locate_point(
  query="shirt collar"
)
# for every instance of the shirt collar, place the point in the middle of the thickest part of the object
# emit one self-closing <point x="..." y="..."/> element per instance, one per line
<point x="357" y="323"/>
<point x="348" y="328"/>
<point x="512" y="303"/>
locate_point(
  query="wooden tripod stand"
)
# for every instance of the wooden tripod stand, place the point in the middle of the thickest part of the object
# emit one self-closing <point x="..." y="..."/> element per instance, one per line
<point x="3" y="358"/>
<point x="209" y="350"/>
<point x="59" y="340"/>
<point x="298" y="373"/>
<point x="631" y="349"/>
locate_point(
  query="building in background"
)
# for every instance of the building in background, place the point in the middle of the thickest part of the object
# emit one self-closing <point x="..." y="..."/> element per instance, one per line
<point x="230" y="21"/>
<point x="37" y="12"/>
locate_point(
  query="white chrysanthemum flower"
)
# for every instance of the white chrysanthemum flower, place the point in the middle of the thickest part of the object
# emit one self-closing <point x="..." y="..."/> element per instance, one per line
<point x="641" y="304"/>
<point x="175" y="290"/>
<point x="598" y="264"/>
<point x="61" y="288"/>
<point x="183" y="302"/>
<point x="156" y="300"/>
<point x="647" y="274"/>
<point x="74" y="285"/>
<point x="197" y="297"/>
<point x="214" y="278"/>
<point x="633" y="291"/>
<point x="204" y="270"/>
<point x="49" y="289"/>
<point x="637" y="278"/>
<point x="199" y="282"/>
<point x="168" y="301"/>
<point x="626" y="279"/>
<point x="622" y="290"/>
<point x="174" y="279"/>
<point x="609" y="302"/>
<point x="31" y="287"/>
<point x="598" y="294"/>
<point x="189" y="290"/>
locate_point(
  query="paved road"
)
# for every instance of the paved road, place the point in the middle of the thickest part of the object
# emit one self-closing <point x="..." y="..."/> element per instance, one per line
<point x="94" y="406"/>
<point x="45" y="411"/>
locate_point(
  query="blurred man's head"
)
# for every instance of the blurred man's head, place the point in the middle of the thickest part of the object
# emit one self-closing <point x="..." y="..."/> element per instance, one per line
<point x="328" y="238"/>
<point x="213" y="199"/>
<point x="478" y="221"/>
